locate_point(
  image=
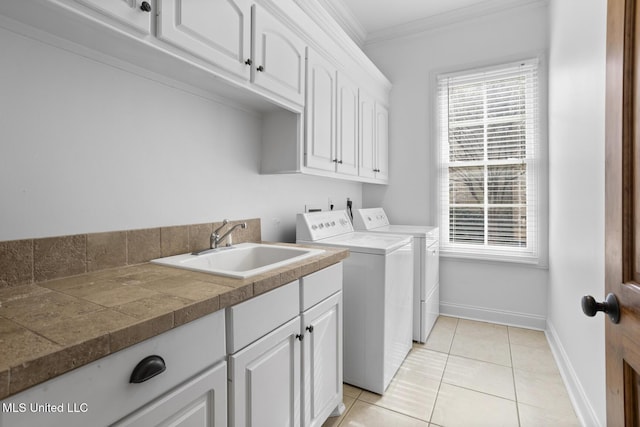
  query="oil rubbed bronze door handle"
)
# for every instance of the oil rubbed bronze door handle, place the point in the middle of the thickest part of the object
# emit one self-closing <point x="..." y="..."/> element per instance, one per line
<point x="610" y="306"/>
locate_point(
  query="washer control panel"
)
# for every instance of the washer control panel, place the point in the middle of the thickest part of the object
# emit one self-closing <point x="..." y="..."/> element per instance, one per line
<point x="320" y="225"/>
<point x="368" y="219"/>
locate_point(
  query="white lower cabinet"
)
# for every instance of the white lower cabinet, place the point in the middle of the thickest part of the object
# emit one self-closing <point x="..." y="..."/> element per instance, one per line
<point x="101" y="393"/>
<point x="291" y="376"/>
<point x="322" y="360"/>
<point x="265" y="380"/>
<point x="283" y="368"/>
<point x="200" y="402"/>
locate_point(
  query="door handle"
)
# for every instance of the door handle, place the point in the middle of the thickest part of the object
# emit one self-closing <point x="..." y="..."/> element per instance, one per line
<point x="610" y="306"/>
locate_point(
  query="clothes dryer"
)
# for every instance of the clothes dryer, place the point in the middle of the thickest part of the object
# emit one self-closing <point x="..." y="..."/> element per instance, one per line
<point x="426" y="252"/>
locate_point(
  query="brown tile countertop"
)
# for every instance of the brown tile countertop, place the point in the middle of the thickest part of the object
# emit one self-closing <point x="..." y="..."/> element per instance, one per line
<point x="52" y="327"/>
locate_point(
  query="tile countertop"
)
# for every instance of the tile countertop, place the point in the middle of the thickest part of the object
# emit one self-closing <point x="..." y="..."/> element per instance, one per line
<point x="52" y="327"/>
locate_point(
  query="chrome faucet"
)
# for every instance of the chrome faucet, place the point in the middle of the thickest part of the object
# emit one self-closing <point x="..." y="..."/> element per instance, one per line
<point x="217" y="238"/>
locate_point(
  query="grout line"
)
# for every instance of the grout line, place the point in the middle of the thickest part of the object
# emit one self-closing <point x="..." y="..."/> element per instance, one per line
<point x="513" y="376"/>
<point x="435" y="402"/>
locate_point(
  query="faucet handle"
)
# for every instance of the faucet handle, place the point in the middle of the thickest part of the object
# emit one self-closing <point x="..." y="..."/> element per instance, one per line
<point x="224" y="222"/>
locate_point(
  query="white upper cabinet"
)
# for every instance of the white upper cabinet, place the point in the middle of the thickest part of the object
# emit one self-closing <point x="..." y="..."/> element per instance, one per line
<point x="136" y="14"/>
<point x="367" y="136"/>
<point x="374" y="139"/>
<point x="331" y="126"/>
<point x="347" y="129"/>
<point x="278" y="57"/>
<point x="218" y="32"/>
<point x="320" y="113"/>
<point x="382" y="143"/>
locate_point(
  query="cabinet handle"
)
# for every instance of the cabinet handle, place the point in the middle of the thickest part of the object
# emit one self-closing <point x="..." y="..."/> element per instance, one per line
<point x="335" y="160"/>
<point x="147" y="368"/>
<point x="260" y="68"/>
<point x="248" y="61"/>
<point x="339" y="162"/>
<point x="145" y="6"/>
<point x="310" y="329"/>
<point x="299" y="337"/>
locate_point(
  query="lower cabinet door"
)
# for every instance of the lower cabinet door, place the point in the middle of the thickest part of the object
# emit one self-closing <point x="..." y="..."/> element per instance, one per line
<point x="264" y="387"/>
<point x="200" y="402"/>
<point x="322" y="360"/>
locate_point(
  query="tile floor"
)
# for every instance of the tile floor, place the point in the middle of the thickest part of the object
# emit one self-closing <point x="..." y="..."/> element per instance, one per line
<point x="468" y="374"/>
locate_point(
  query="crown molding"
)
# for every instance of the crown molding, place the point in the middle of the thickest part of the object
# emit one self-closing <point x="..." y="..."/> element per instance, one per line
<point x="445" y="19"/>
<point x="338" y="35"/>
<point x="344" y="16"/>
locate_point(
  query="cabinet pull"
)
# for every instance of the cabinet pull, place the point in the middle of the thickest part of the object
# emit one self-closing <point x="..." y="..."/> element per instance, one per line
<point x="145" y="6"/>
<point x="335" y="160"/>
<point x="260" y="68"/>
<point x="339" y="162"/>
<point x="310" y="329"/>
<point x="248" y="61"/>
<point x="147" y="368"/>
<point x="300" y="337"/>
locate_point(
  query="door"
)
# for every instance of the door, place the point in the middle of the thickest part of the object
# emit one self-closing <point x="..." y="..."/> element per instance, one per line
<point x="201" y="402"/>
<point x="382" y="143"/>
<point x="218" y="32"/>
<point x="347" y="144"/>
<point x="367" y="112"/>
<point x="136" y="14"/>
<point x="322" y="360"/>
<point x="278" y="57"/>
<point x="264" y="380"/>
<point x="622" y="212"/>
<point x="320" y="113"/>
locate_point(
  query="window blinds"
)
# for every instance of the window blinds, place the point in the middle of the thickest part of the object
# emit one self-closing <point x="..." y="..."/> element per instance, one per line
<point x="488" y="141"/>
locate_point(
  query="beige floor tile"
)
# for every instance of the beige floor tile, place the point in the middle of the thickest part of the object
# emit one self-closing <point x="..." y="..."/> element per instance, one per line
<point x="335" y="421"/>
<point x="459" y="407"/>
<point x="365" y="414"/>
<point x="480" y="376"/>
<point x="527" y="337"/>
<point x="441" y="335"/>
<point x="542" y="390"/>
<point x="351" y="391"/>
<point x="427" y="362"/>
<point x="482" y="329"/>
<point x="530" y="416"/>
<point x="534" y="359"/>
<point x="410" y="392"/>
<point x="488" y="349"/>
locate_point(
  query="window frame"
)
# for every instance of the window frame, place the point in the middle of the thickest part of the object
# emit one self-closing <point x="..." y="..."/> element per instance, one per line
<point x="536" y="180"/>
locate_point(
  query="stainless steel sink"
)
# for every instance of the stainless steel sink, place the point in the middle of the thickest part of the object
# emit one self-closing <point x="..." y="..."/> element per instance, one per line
<point x="240" y="261"/>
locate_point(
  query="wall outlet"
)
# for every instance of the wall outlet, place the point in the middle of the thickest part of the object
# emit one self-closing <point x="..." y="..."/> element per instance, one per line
<point x="312" y="207"/>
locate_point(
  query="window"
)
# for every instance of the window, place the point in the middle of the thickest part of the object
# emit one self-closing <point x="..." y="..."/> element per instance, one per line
<point x="488" y="141"/>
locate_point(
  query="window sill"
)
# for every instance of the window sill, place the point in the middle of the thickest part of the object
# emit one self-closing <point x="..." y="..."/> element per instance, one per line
<point x="532" y="262"/>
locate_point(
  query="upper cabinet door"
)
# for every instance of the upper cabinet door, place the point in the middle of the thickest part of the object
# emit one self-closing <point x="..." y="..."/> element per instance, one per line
<point x="347" y="144"/>
<point x="367" y="136"/>
<point x="320" y="113"/>
<point x="382" y="142"/>
<point x="278" y="57"/>
<point x="136" y="14"/>
<point x="217" y="31"/>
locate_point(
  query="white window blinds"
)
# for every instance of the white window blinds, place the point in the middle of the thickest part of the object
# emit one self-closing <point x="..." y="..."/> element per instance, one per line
<point x="488" y="140"/>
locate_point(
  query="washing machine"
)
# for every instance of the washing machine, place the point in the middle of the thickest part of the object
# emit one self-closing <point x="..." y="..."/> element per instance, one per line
<point x="426" y="252"/>
<point x="377" y="296"/>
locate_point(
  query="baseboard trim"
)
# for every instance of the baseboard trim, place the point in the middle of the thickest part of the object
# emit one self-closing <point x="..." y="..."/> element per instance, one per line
<point x="585" y="412"/>
<point x="511" y="318"/>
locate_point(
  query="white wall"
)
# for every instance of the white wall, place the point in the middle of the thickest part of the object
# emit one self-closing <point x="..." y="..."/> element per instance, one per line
<point x="576" y="196"/>
<point x="89" y="147"/>
<point x="509" y="293"/>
